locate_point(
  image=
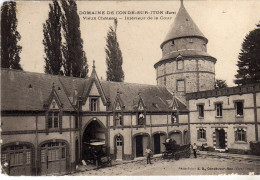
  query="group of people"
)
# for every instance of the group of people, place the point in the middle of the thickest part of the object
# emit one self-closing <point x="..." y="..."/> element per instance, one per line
<point x="149" y="153"/>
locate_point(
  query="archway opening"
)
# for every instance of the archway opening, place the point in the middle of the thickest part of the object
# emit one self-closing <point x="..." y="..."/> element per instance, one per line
<point x="158" y="140"/>
<point x="94" y="134"/>
<point x="140" y="143"/>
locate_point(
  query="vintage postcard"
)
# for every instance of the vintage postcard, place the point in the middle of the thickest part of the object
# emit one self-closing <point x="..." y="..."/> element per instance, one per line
<point x="130" y="88"/>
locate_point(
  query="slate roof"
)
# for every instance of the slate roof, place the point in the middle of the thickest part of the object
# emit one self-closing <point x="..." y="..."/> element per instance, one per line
<point x="155" y="98"/>
<point x="183" y="26"/>
<point x="16" y="94"/>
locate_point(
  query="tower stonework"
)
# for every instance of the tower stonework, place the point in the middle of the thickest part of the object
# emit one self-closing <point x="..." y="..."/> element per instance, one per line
<point x="185" y="65"/>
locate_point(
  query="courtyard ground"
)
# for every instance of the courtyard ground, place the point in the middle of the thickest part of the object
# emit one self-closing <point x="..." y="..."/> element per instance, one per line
<point x="203" y="165"/>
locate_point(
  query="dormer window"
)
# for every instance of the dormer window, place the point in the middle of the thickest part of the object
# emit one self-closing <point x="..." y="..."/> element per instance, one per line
<point x="53" y="119"/>
<point x="141" y="118"/>
<point x="174" y="118"/>
<point x="118" y="119"/>
<point x="93" y="106"/>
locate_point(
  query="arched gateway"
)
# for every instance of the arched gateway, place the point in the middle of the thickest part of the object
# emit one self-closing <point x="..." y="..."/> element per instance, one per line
<point x="94" y="132"/>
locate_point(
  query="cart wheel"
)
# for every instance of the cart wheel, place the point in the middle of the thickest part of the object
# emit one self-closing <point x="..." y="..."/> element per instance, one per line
<point x="177" y="157"/>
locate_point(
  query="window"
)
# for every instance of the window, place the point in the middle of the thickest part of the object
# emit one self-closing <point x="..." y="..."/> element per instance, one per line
<point x="53" y="119"/>
<point x="180" y="86"/>
<point x="239" y="108"/>
<point x="28" y="157"/>
<point x="172" y="43"/>
<point x="174" y="118"/>
<point x="218" y="107"/>
<point x="93" y="104"/>
<point x="16" y="158"/>
<point x="140" y="118"/>
<point x="201" y="111"/>
<point x="119" y="141"/>
<point x="118" y="119"/>
<point x="4" y="158"/>
<point x="240" y="134"/>
<point x="53" y="151"/>
<point x="180" y="63"/>
<point x="201" y="133"/>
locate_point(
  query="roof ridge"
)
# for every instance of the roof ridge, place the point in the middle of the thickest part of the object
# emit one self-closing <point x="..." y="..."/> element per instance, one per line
<point x="54" y="75"/>
<point x="132" y="83"/>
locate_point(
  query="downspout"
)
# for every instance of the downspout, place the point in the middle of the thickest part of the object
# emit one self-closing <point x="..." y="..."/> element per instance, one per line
<point x="70" y="147"/>
<point x="36" y="144"/>
<point x="255" y="115"/>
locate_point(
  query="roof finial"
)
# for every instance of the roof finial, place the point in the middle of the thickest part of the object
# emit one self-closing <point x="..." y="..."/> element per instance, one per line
<point x="93" y="64"/>
<point x="181" y="2"/>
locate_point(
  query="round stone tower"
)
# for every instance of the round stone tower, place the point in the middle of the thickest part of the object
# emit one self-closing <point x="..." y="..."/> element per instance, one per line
<point x="185" y="65"/>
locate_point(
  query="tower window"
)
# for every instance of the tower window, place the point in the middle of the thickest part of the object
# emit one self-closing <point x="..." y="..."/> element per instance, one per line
<point x="180" y="64"/>
<point x="172" y="43"/>
<point x="180" y="86"/>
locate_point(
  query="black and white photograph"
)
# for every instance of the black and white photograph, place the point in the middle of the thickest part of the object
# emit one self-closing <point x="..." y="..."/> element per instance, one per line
<point x="130" y="88"/>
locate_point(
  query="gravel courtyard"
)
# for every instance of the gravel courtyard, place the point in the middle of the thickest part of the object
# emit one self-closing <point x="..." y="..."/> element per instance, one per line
<point x="191" y="166"/>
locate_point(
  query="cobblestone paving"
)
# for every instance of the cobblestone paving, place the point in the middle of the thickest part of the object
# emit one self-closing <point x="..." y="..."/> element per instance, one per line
<point x="200" y="166"/>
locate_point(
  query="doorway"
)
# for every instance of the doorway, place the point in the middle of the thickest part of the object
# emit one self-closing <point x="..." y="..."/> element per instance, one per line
<point x="157" y="144"/>
<point x="220" y="134"/>
<point x="139" y="146"/>
<point x="119" y="148"/>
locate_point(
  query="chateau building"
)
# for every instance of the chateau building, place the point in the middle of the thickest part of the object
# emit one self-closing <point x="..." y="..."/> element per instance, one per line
<point x="46" y="120"/>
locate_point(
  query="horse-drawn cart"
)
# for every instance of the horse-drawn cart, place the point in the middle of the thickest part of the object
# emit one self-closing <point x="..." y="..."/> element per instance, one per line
<point x="175" y="151"/>
<point x="96" y="153"/>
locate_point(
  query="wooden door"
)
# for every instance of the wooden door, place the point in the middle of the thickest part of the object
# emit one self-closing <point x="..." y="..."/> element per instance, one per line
<point x="157" y="144"/>
<point x="19" y="159"/>
<point x="53" y="158"/>
<point x="119" y="148"/>
<point x="139" y="146"/>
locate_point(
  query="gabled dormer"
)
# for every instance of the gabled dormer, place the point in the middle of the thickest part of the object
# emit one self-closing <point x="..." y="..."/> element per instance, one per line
<point x="53" y="116"/>
<point x="118" y="111"/>
<point x="94" y="98"/>
<point x="141" y="111"/>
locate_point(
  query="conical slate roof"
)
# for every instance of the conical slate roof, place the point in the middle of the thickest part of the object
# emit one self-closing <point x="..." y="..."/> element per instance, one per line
<point x="183" y="26"/>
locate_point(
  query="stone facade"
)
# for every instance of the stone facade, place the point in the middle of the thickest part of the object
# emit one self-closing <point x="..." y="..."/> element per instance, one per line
<point x="240" y="112"/>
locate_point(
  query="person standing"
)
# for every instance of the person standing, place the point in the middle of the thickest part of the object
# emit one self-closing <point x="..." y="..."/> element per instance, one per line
<point x="195" y="150"/>
<point x="148" y="155"/>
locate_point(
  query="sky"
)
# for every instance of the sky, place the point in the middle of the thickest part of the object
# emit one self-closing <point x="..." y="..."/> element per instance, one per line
<point x="224" y="23"/>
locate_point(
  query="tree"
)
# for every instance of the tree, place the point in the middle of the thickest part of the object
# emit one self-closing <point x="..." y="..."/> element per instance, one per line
<point x="114" y="57"/>
<point x="220" y="84"/>
<point x="74" y="58"/>
<point x="52" y="40"/>
<point x="10" y="50"/>
<point x="249" y="59"/>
